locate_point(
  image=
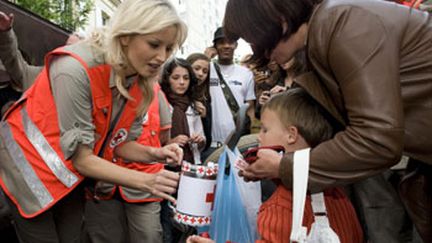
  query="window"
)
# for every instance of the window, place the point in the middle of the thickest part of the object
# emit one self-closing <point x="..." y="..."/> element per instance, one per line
<point x="105" y="18"/>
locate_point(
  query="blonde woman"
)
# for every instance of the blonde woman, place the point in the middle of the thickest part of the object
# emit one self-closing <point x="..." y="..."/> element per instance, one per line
<point x="82" y="114"/>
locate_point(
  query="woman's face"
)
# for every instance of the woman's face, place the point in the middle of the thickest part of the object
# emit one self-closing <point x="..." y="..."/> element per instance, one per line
<point x="179" y="80"/>
<point x="201" y="70"/>
<point x="147" y="53"/>
<point x="285" y="49"/>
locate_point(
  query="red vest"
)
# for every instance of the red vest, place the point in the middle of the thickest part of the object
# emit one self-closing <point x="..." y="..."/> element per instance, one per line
<point x="149" y="137"/>
<point x="38" y="175"/>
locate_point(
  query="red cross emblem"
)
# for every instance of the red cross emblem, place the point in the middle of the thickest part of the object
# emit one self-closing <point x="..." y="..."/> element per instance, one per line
<point x="210" y="197"/>
<point x="209" y="172"/>
<point x="185" y="218"/>
<point x="119" y="137"/>
<point x="192" y="220"/>
<point x="201" y="170"/>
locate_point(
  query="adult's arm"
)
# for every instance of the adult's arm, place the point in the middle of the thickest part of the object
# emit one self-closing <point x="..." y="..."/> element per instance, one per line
<point x="357" y="56"/>
<point x="161" y="184"/>
<point x="19" y="70"/>
<point x="73" y="100"/>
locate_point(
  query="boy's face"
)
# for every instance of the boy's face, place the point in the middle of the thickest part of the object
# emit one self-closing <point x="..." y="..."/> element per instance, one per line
<point x="272" y="131"/>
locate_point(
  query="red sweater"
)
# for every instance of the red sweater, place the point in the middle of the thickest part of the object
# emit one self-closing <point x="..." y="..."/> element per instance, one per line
<point x="275" y="216"/>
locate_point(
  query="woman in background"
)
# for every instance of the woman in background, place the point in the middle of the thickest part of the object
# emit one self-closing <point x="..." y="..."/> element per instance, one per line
<point x="201" y="66"/>
<point x="179" y="84"/>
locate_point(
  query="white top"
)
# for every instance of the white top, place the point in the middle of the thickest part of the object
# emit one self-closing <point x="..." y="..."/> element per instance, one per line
<point x="195" y="127"/>
<point x="241" y="82"/>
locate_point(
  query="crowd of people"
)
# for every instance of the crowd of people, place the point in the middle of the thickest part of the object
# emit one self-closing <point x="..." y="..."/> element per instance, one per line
<point x="92" y="142"/>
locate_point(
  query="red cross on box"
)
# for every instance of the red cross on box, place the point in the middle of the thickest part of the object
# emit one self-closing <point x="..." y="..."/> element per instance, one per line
<point x="209" y="171"/>
<point x="201" y="170"/>
<point x="210" y="197"/>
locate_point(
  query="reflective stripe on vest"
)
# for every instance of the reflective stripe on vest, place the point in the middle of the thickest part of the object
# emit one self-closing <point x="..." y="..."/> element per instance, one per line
<point x="46" y="152"/>
<point x="36" y="175"/>
<point x="32" y="180"/>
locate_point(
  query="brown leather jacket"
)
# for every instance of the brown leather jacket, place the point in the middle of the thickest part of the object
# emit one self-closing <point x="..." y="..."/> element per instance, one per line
<point x="373" y="62"/>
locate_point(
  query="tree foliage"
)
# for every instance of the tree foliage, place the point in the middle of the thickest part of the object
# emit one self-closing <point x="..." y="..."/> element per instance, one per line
<point x="69" y="14"/>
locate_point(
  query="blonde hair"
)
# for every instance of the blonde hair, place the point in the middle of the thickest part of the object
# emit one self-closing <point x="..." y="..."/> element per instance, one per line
<point x="136" y="17"/>
<point x="297" y="108"/>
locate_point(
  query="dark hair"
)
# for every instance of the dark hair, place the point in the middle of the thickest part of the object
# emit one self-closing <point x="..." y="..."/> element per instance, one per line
<point x="297" y="108"/>
<point x="197" y="56"/>
<point x="169" y="68"/>
<point x="203" y="89"/>
<point x="259" y="22"/>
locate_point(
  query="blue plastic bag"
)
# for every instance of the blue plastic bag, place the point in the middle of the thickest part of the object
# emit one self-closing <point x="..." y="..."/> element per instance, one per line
<point x="230" y="221"/>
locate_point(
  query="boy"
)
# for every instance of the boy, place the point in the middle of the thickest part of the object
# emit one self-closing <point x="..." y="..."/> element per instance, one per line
<point x="295" y="121"/>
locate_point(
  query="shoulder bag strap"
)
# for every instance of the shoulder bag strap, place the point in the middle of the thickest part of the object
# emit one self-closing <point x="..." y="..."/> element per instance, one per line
<point x="300" y="181"/>
<point x="232" y="102"/>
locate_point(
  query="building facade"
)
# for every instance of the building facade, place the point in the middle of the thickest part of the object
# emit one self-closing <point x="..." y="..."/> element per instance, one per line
<point x="201" y="16"/>
<point x="101" y="13"/>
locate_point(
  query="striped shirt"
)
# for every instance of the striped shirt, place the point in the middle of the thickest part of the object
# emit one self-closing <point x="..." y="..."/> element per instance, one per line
<point x="275" y="216"/>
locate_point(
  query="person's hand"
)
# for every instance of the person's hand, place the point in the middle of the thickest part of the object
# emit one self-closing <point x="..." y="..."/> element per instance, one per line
<point x="163" y="184"/>
<point x="200" y="107"/>
<point x="210" y="52"/>
<point x="197" y="138"/>
<point x="198" y="239"/>
<point x="265" y="167"/>
<point x="6" y="21"/>
<point x="264" y="97"/>
<point x="277" y="89"/>
<point x="172" y="153"/>
<point x="261" y="77"/>
<point x="181" y="140"/>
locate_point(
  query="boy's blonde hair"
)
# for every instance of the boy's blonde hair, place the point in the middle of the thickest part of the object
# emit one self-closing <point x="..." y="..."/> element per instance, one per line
<point x="136" y="17"/>
<point x="297" y="108"/>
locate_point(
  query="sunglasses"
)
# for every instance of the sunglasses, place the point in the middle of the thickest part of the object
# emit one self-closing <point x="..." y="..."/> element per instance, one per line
<point x="250" y="156"/>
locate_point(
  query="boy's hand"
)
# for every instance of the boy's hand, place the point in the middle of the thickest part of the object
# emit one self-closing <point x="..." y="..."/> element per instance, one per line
<point x="265" y="167"/>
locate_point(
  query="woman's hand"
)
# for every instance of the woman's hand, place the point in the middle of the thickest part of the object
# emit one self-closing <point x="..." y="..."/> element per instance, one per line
<point x="162" y="184"/>
<point x="200" y="107"/>
<point x="198" y="239"/>
<point x="277" y="89"/>
<point x="265" y="167"/>
<point x="197" y="138"/>
<point x="6" y="21"/>
<point x="181" y="140"/>
<point x="172" y="153"/>
<point x="261" y="77"/>
<point x="264" y="97"/>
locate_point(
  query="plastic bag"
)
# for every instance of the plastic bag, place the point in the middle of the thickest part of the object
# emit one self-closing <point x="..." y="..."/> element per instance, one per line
<point x="230" y="220"/>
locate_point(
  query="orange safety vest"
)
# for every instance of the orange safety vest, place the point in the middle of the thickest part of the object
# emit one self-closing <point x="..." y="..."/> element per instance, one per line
<point x="39" y="175"/>
<point x="149" y="137"/>
<point x="412" y="3"/>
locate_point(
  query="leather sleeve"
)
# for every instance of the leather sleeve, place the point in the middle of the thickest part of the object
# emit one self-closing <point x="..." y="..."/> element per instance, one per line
<point x="357" y="58"/>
